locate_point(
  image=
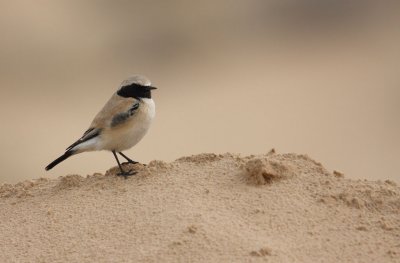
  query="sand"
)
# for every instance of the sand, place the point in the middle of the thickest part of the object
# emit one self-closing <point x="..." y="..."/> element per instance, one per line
<point x="203" y="208"/>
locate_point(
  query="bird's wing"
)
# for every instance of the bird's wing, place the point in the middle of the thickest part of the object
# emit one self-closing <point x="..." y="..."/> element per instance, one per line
<point x="122" y="117"/>
<point x="89" y="134"/>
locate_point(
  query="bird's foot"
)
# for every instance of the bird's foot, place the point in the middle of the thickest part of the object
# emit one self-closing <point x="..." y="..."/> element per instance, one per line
<point x="126" y="173"/>
<point x="133" y="162"/>
<point x="130" y="162"/>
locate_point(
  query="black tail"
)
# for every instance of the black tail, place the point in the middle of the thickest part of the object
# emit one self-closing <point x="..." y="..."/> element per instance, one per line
<point x="63" y="157"/>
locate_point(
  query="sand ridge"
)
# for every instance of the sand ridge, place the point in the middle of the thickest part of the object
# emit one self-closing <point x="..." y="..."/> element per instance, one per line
<point x="203" y="208"/>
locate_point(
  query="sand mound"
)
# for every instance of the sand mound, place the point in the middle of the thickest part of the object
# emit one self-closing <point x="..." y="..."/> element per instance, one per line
<point x="263" y="171"/>
<point x="203" y="208"/>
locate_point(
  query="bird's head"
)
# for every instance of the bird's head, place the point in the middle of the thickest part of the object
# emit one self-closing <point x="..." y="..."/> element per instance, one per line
<point x="138" y="87"/>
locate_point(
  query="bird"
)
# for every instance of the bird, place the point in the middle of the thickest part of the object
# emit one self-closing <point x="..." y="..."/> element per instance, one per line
<point x="121" y="123"/>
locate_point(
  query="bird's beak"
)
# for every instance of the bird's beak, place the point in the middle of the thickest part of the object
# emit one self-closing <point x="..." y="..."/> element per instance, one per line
<point x="151" y="88"/>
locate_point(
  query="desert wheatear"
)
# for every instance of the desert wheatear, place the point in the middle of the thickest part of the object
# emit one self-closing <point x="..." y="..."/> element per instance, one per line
<point x="120" y="125"/>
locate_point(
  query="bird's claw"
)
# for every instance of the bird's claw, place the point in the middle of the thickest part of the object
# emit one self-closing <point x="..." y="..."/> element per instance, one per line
<point x="130" y="162"/>
<point x="126" y="174"/>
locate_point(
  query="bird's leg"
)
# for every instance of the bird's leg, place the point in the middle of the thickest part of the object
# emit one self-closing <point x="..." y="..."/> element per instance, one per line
<point x="123" y="173"/>
<point x="127" y="158"/>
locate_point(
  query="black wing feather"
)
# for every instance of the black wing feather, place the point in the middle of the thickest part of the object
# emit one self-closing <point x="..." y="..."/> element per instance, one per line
<point x="89" y="134"/>
<point x="124" y="116"/>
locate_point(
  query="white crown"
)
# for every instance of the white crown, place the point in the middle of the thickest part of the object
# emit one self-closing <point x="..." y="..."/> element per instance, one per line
<point x="136" y="79"/>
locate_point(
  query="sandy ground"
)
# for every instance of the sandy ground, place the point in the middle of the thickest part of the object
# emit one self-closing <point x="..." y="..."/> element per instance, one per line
<point x="203" y="208"/>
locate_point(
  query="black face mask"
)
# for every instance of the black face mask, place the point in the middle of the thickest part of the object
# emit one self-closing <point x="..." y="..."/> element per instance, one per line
<point x="135" y="91"/>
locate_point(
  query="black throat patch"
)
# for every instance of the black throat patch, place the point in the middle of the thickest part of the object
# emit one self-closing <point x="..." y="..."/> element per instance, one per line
<point x="135" y="91"/>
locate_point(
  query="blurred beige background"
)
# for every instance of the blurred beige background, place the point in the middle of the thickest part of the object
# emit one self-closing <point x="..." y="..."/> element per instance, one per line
<point x="314" y="77"/>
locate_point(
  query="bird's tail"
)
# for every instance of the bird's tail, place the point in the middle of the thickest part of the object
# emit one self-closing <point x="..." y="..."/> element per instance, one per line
<point x="63" y="157"/>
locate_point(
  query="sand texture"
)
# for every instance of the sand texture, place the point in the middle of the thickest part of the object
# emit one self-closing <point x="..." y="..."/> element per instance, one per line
<point x="203" y="208"/>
